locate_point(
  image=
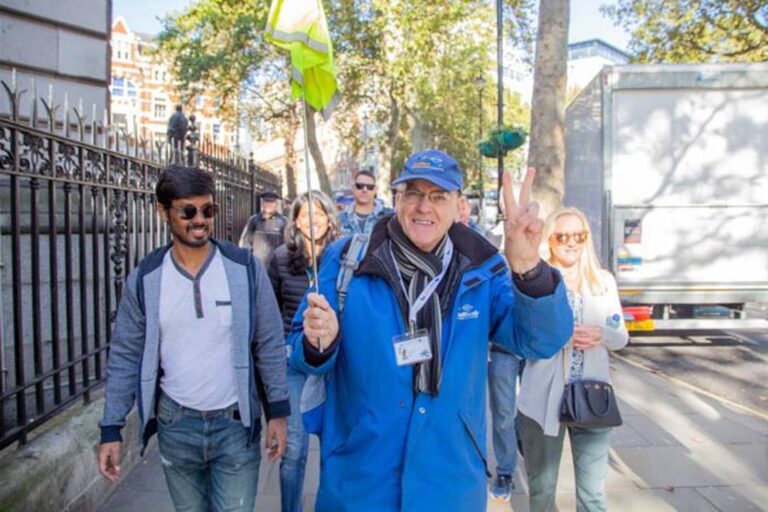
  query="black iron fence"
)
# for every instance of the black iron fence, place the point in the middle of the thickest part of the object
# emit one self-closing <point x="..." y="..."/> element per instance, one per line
<point x="77" y="213"/>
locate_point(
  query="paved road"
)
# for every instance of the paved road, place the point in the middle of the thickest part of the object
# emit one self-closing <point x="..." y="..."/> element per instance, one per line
<point x="731" y="364"/>
<point x="677" y="450"/>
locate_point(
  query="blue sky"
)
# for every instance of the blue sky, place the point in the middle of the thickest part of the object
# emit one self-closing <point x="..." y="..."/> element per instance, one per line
<point x="586" y="20"/>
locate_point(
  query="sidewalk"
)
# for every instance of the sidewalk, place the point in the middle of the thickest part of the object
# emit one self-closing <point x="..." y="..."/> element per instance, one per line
<point x="678" y="450"/>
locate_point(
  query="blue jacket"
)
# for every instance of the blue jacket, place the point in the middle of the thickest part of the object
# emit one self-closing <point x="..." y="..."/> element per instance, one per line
<point x="348" y="221"/>
<point x="384" y="449"/>
<point x="133" y="369"/>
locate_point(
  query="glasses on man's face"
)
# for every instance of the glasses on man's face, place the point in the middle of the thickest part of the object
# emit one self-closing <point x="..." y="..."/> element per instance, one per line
<point x="436" y="197"/>
<point x="565" y="238"/>
<point x="189" y="211"/>
<point x="365" y="186"/>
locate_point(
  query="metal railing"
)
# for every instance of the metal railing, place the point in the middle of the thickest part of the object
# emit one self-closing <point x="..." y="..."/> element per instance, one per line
<point x="77" y="213"/>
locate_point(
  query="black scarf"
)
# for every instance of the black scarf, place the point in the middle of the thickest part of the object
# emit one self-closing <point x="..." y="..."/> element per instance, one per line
<point x="417" y="268"/>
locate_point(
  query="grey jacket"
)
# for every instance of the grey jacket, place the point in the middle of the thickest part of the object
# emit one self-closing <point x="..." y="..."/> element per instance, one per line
<point x="541" y="390"/>
<point x="133" y="369"/>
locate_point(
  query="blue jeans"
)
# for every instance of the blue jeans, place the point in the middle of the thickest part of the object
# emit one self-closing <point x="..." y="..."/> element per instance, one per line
<point x="294" y="460"/>
<point x="590" y="448"/>
<point x="502" y="386"/>
<point x="205" y="455"/>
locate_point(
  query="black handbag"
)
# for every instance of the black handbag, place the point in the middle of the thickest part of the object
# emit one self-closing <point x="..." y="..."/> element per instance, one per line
<point x="589" y="404"/>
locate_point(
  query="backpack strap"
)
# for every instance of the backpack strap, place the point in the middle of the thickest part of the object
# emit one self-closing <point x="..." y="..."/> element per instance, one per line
<point x="354" y="254"/>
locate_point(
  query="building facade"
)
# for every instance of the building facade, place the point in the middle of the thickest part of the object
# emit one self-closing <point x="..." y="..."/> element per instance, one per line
<point x="587" y="58"/>
<point x="144" y="93"/>
<point x="58" y="50"/>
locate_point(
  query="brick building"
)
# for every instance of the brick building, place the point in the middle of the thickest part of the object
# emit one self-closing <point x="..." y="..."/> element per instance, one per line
<point x="144" y="94"/>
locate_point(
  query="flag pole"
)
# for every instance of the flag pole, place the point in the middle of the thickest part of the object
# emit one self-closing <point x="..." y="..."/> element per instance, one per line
<point x="310" y="200"/>
<point x="310" y="209"/>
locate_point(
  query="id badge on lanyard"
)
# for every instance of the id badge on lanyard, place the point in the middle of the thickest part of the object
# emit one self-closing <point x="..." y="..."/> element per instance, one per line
<point x="414" y="346"/>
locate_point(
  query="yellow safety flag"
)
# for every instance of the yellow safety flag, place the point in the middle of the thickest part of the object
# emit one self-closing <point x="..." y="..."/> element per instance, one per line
<point x="300" y="26"/>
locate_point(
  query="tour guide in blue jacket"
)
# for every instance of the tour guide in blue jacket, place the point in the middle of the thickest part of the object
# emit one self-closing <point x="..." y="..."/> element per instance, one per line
<point x="403" y="431"/>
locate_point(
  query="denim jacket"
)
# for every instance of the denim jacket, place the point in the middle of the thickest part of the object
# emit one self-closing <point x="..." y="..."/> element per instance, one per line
<point x="350" y="224"/>
<point x="133" y="370"/>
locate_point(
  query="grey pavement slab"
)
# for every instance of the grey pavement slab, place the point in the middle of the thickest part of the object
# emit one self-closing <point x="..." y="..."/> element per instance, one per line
<point x="677" y="451"/>
<point x="741" y="498"/>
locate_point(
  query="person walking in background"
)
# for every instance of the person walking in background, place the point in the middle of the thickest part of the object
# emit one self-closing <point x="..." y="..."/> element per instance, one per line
<point x="503" y="369"/>
<point x="197" y="334"/>
<point x="290" y="271"/>
<point x="465" y="216"/>
<point x="404" y="419"/>
<point x="360" y="216"/>
<point x="177" y="132"/>
<point x="263" y="232"/>
<point x="600" y="327"/>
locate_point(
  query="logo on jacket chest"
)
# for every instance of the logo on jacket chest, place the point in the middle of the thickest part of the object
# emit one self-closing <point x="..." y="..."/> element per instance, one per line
<point x="467" y="312"/>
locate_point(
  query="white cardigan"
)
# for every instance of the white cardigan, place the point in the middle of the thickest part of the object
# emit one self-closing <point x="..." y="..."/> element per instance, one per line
<point x="541" y="390"/>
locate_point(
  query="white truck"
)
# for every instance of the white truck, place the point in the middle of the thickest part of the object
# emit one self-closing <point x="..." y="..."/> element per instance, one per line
<point x="670" y="164"/>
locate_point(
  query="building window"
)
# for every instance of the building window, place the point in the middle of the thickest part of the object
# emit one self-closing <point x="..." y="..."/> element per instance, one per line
<point x="160" y="110"/>
<point x="118" y="86"/>
<point x="122" y="50"/>
<point x="120" y="120"/>
<point x="123" y="87"/>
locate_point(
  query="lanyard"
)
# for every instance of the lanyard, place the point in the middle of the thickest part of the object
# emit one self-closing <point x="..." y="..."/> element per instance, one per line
<point x="416" y="306"/>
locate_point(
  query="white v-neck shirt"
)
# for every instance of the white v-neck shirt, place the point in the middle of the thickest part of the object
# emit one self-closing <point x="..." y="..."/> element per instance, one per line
<point x="196" y="347"/>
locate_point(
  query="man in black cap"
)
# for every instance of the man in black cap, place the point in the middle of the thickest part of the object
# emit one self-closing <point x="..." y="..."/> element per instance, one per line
<point x="264" y="231"/>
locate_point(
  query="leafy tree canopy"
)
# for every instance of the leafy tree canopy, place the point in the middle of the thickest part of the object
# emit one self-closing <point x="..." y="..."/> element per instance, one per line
<point x="409" y="67"/>
<point x="694" y="30"/>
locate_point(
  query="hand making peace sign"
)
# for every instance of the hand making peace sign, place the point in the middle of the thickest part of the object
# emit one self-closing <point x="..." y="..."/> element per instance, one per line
<point x="522" y="226"/>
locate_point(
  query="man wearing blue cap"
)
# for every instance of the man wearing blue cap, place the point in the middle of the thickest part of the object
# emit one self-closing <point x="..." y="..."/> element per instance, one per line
<point x="404" y="422"/>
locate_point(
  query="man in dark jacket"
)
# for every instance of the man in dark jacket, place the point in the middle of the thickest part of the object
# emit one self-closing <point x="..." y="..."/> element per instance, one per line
<point x="177" y="129"/>
<point x="198" y="346"/>
<point x="264" y="231"/>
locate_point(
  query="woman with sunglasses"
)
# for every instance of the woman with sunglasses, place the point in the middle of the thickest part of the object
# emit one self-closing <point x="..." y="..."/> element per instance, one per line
<point x="290" y="270"/>
<point x="600" y="327"/>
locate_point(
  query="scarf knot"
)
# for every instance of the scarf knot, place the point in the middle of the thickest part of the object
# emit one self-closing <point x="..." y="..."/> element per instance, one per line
<point x="417" y="269"/>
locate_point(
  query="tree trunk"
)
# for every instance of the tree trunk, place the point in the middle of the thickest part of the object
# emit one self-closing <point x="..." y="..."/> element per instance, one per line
<point x="290" y="128"/>
<point x="393" y="130"/>
<point x="547" y="144"/>
<point x="317" y="154"/>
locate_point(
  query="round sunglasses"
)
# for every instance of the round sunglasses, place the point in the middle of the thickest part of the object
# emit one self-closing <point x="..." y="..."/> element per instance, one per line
<point x="565" y="238"/>
<point x="189" y="211"/>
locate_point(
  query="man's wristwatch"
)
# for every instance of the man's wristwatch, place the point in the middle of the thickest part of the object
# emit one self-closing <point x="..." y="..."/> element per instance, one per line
<point x="531" y="274"/>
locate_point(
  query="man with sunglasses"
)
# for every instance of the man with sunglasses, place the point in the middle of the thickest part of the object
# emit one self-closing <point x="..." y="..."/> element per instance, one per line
<point x="404" y="425"/>
<point x="198" y="345"/>
<point x="360" y="216"/>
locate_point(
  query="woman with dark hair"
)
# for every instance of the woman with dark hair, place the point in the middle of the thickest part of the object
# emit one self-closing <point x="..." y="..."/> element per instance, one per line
<point x="290" y="271"/>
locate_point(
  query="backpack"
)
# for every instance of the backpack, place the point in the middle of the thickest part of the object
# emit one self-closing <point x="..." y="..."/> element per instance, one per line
<point x="312" y="404"/>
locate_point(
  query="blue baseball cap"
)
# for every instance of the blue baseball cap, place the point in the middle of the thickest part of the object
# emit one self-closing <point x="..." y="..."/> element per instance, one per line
<point x="433" y="166"/>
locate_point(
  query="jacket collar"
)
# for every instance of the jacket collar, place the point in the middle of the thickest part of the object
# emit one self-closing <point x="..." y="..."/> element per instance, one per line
<point x="472" y="248"/>
<point x="378" y="207"/>
<point x="227" y="249"/>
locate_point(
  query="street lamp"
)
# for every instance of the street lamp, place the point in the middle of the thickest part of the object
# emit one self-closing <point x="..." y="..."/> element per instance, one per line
<point x="480" y="83"/>
<point x="500" y="96"/>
